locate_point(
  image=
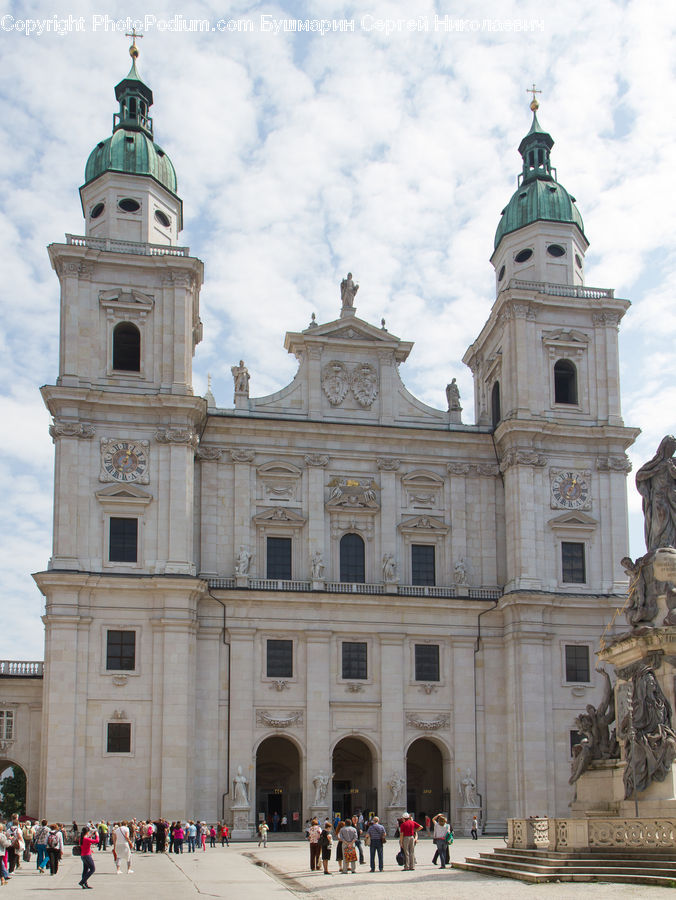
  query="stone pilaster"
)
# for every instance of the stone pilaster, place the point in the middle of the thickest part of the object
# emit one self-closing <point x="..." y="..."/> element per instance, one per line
<point x="392" y="712"/>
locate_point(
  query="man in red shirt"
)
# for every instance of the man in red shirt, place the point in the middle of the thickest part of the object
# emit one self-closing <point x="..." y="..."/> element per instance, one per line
<point x="407" y="831"/>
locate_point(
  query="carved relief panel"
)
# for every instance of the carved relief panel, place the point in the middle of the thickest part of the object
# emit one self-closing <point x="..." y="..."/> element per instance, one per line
<point x="278" y="482"/>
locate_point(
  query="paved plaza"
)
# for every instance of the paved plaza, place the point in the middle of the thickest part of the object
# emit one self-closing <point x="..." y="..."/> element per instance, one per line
<point x="281" y="870"/>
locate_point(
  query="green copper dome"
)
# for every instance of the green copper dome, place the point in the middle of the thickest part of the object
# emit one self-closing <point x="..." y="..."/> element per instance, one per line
<point x="539" y="196"/>
<point x="131" y="148"/>
<point x="132" y="152"/>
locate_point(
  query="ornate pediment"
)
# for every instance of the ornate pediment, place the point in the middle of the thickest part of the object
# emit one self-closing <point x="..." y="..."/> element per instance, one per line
<point x="428" y="524"/>
<point x="279" y="515"/>
<point x="576" y="520"/>
<point x="125" y="300"/>
<point x="123" y="496"/>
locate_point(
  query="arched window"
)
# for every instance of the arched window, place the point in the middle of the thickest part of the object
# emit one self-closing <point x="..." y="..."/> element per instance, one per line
<point x="352" y="567"/>
<point x="127" y="347"/>
<point x="495" y="404"/>
<point x="565" y="382"/>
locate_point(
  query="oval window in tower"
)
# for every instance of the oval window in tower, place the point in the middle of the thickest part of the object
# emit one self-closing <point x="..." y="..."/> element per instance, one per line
<point x="523" y="256"/>
<point x="556" y="250"/>
<point x="162" y="218"/>
<point x="578" y="260"/>
<point x="129" y="205"/>
<point x="96" y="211"/>
<point x="501" y="273"/>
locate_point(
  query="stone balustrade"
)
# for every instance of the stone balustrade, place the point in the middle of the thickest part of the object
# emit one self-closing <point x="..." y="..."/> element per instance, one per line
<point x="597" y="833"/>
<point x="113" y="245"/>
<point x="342" y="587"/>
<point x="563" y="290"/>
<point x="18" y="668"/>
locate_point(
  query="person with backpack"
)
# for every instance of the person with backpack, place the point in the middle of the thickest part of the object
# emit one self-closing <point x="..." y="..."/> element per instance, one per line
<point x="325" y="841"/>
<point x="441" y="834"/>
<point x="54" y="848"/>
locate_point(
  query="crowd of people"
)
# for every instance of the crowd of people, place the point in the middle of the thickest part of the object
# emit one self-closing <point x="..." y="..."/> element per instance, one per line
<point x="19" y="841"/>
<point x="350" y="835"/>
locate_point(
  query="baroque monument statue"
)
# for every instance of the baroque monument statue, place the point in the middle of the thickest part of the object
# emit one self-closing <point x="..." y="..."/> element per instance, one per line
<point x="348" y="291"/>
<point x="240" y="783"/>
<point x="321" y="783"/>
<point x="594" y="725"/>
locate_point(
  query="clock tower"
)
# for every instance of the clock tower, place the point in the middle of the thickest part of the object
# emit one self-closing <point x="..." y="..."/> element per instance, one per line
<point x="120" y="589"/>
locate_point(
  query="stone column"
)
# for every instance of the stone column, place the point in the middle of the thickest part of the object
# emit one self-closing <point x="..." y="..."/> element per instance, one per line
<point x="318" y="720"/>
<point x="243" y="656"/>
<point x="242" y="509"/>
<point x="209" y="524"/>
<point x="392" y="726"/>
<point x="207" y="724"/>
<point x="314" y="381"/>
<point x="315" y="463"/>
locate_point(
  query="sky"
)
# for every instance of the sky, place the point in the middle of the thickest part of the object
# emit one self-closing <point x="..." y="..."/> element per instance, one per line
<point x="387" y="147"/>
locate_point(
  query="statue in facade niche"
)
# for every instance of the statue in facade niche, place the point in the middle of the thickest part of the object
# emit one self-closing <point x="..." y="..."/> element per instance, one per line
<point x="240" y="374"/>
<point x="460" y="575"/>
<point x="240" y="783"/>
<point x="594" y="726"/>
<point x="651" y="742"/>
<point x="321" y="783"/>
<point x="348" y="291"/>
<point x="453" y="396"/>
<point x="656" y="483"/>
<point x="396" y="784"/>
<point x="389" y="569"/>
<point x="244" y="559"/>
<point x="317" y="565"/>
<point x="467" y="790"/>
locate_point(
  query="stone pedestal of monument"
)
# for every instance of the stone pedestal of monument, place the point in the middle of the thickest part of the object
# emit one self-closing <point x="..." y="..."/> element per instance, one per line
<point x="394" y="813"/>
<point x="241" y="826"/>
<point x="464" y="816"/>
<point x="320" y="813"/>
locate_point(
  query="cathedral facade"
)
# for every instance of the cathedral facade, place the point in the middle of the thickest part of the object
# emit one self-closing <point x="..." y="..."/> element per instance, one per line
<point x="334" y="597"/>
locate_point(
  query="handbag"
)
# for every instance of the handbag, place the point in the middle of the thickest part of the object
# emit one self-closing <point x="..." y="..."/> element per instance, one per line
<point x="400" y="858"/>
<point x="367" y="839"/>
<point x="350" y="853"/>
<point x="77" y="850"/>
<point x="384" y="839"/>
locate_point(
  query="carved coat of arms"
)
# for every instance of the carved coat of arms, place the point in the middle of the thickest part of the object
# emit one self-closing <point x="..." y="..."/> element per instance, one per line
<point x="335" y="382"/>
<point x="365" y="384"/>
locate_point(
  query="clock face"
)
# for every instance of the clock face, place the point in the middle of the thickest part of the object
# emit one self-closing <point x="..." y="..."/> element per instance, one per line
<point x="125" y="461"/>
<point x="570" y="490"/>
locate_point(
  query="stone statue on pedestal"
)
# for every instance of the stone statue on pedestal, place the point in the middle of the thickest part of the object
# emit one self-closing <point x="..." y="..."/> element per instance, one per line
<point x="656" y="483"/>
<point x="396" y="784"/>
<point x="244" y="559"/>
<point x="240" y="375"/>
<point x="597" y="741"/>
<point x="467" y="790"/>
<point x="348" y="291"/>
<point x="453" y="396"/>
<point x="240" y="783"/>
<point x="317" y="566"/>
<point x="321" y="783"/>
<point x="651" y="741"/>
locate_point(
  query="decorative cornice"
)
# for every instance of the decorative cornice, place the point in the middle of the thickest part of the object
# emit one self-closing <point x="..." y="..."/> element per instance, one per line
<point x="613" y="464"/>
<point x="317" y="460"/>
<point x="606" y="318"/>
<point x="427" y="724"/>
<point x="522" y="458"/>
<point x="490" y="470"/>
<point x="169" y="435"/>
<point x="242" y="456"/>
<point x="275" y="720"/>
<point x="388" y="464"/>
<point x="72" y="429"/>
<point x="209" y="453"/>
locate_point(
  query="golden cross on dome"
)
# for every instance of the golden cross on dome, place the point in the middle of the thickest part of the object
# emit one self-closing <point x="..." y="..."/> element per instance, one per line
<point x="133" y="50"/>
<point x="533" y="90"/>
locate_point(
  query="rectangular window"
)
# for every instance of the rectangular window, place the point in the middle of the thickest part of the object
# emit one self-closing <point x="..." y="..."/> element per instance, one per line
<point x="6" y="724"/>
<point x="577" y="663"/>
<point x="119" y="737"/>
<point x="427" y="662"/>
<point x="120" y="650"/>
<point x="280" y="659"/>
<point x="422" y="564"/>
<point x="354" y="660"/>
<point x="279" y="558"/>
<point x="123" y="540"/>
<point x="572" y="563"/>
<point x="575" y="738"/>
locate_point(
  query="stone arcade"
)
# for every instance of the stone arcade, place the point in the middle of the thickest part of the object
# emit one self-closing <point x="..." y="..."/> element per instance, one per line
<point x="335" y="596"/>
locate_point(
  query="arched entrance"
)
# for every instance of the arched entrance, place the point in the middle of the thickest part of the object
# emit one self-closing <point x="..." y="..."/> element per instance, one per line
<point x="353" y="787"/>
<point x="13" y="785"/>
<point x="278" y="791"/>
<point x="425" y="794"/>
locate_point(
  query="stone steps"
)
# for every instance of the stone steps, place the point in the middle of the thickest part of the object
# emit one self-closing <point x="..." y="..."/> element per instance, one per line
<point x="538" y="866"/>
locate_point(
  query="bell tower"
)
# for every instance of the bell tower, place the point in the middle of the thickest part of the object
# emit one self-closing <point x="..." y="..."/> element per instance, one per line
<point x="120" y="591"/>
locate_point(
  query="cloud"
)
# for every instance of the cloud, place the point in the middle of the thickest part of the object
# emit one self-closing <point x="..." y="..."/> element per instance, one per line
<point x="301" y="157"/>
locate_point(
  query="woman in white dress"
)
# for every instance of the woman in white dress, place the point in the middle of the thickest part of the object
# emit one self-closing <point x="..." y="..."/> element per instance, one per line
<point x="122" y="846"/>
